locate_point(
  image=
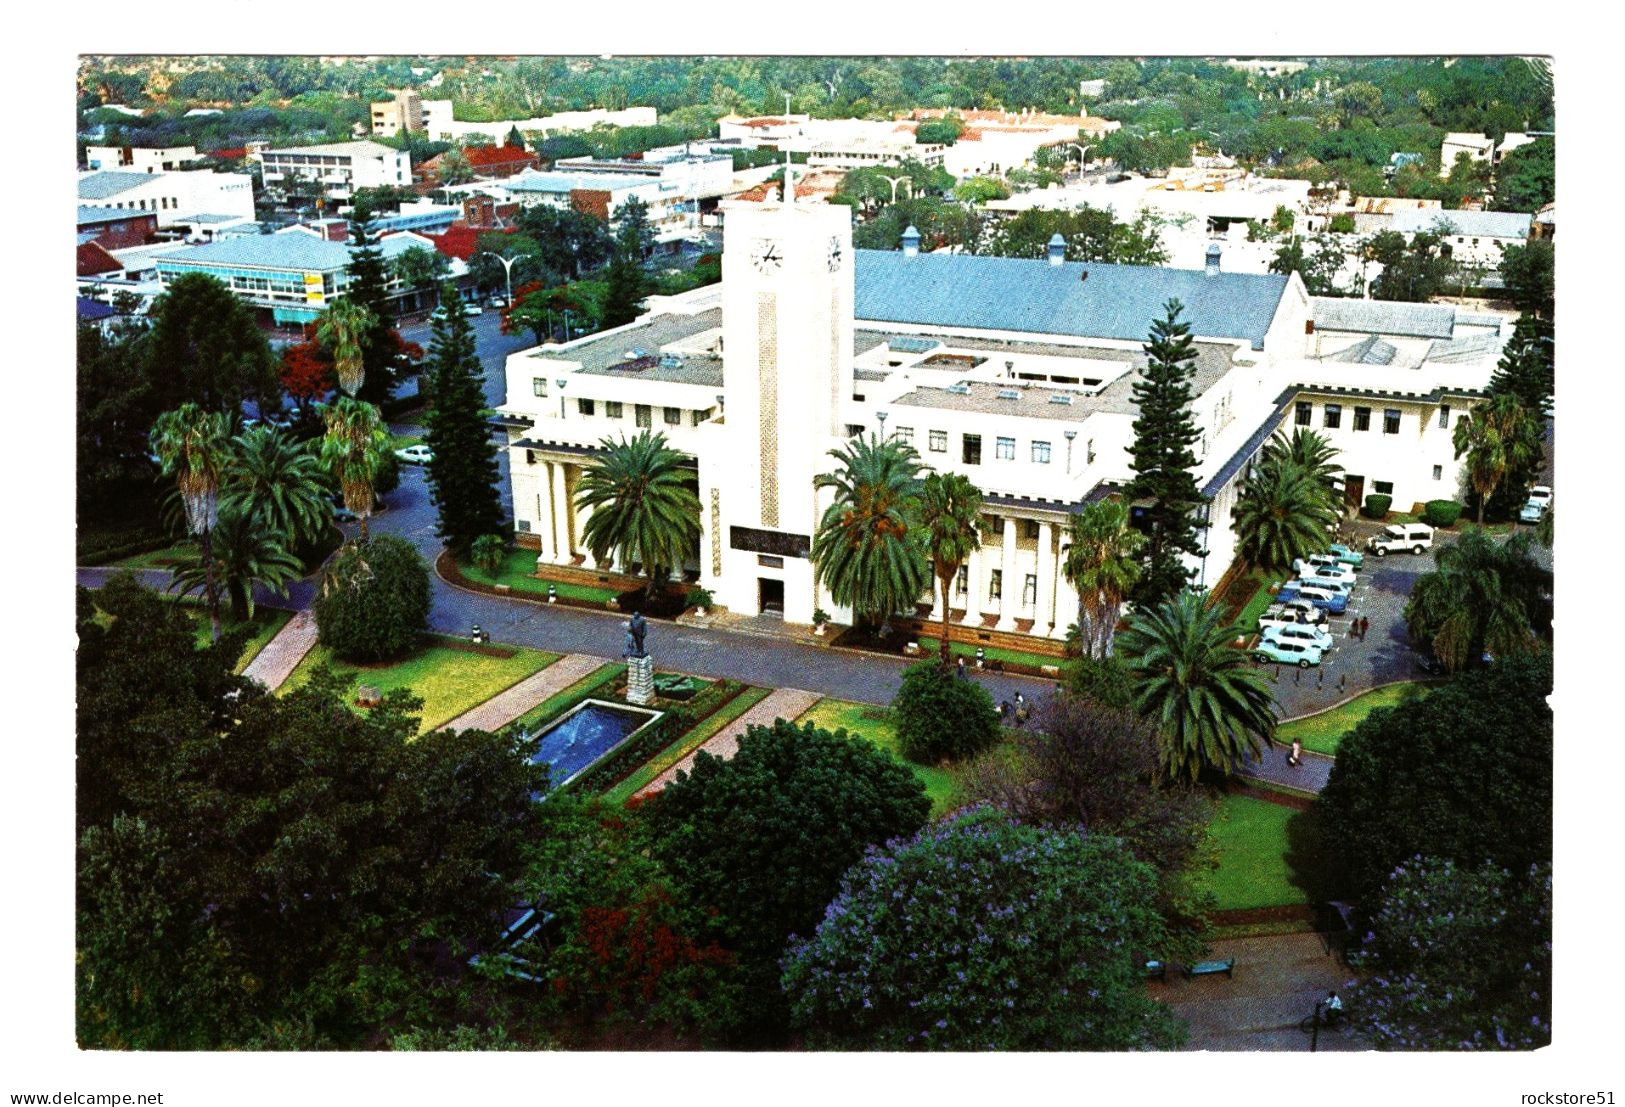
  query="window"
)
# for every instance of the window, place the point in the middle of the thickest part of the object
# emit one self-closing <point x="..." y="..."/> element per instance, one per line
<point x="995" y="584"/>
<point x="612" y="409"/>
<point x="1444" y="416"/>
<point x="1390" y="420"/>
<point x="643" y="413"/>
<point x="1005" y="449"/>
<point x="962" y="580"/>
<point x="971" y="450"/>
<point x="1383" y="487"/>
<point x="539" y="385"/>
<point x="1029" y="529"/>
<point x="1029" y="591"/>
<point x="939" y="442"/>
<point x="1438" y="472"/>
<point x="1041" y="453"/>
<point x="769" y="561"/>
<point x="674" y="416"/>
<point x="587" y="407"/>
<point x="854" y="430"/>
<point x="1304" y="408"/>
<point x="1362" y="418"/>
<point x="994" y="524"/>
<point x="1334" y="416"/>
<point x="905" y="434"/>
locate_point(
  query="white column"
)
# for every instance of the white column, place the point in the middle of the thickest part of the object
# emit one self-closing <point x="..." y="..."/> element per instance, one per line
<point x="1010" y="587"/>
<point x="1044" y="618"/>
<point x="544" y="515"/>
<point x="579" y="514"/>
<point x="973" y="588"/>
<point x="561" y="515"/>
<point x="1066" y="603"/>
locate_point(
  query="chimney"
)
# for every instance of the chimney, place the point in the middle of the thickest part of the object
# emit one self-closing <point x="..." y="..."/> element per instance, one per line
<point x="1057" y="249"/>
<point x="1213" y="252"/>
<point x="911" y="241"/>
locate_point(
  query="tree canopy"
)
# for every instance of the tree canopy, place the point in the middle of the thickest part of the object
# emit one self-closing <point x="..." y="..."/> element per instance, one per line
<point x="205" y="348"/>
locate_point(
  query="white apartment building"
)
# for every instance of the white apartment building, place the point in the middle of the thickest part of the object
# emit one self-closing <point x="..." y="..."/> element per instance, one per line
<point x="139" y="159"/>
<point x="1477" y="147"/>
<point x="672" y="214"/>
<point x="340" y="167"/>
<point x="1475" y="237"/>
<point x="1018" y="374"/>
<point x="175" y="197"/>
<point x="401" y="114"/>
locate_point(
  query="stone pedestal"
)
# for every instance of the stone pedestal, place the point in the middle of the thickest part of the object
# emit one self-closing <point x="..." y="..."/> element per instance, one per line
<point x="640" y="680"/>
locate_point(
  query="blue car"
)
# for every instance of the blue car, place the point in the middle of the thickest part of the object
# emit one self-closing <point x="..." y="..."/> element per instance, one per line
<point x="1329" y="600"/>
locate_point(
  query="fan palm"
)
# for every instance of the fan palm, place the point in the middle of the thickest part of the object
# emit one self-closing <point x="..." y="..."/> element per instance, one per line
<point x="343" y="329"/>
<point x="246" y="551"/>
<point x="1498" y="437"/>
<point x="949" y="506"/>
<point x="352" y="450"/>
<point x="278" y="481"/>
<point x="1101" y="564"/>
<point x="1283" y="512"/>
<point x="191" y="445"/>
<point x="1485" y="596"/>
<point x="1210" y="708"/>
<point x="870" y="551"/>
<point x="643" y="502"/>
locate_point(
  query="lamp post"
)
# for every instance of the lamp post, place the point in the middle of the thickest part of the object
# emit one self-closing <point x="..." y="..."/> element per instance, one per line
<point x="1069" y="436"/>
<point x="1083" y="152"/>
<point x="881" y="415"/>
<point x="507" y="269"/>
<point x="561" y="382"/>
<point x="895" y="181"/>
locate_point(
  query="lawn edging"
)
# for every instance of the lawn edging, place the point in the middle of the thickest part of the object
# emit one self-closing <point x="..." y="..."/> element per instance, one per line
<point x="1346" y="700"/>
<point x="447" y="569"/>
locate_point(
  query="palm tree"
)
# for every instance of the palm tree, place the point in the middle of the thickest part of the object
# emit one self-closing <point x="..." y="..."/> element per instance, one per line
<point x="643" y="502"/>
<point x="1283" y="512"/>
<point x="870" y="551"/>
<point x="191" y="444"/>
<point x="1498" y="437"/>
<point x="1101" y="564"/>
<point x="1313" y="454"/>
<point x="352" y="451"/>
<point x="245" y="552"/>
<point x="277" y="481"/>
<point x="1209" y="706"/>
<point x="1485" y="596"/>
<point x="949" y="506"/>
<point x="344" y="327"/>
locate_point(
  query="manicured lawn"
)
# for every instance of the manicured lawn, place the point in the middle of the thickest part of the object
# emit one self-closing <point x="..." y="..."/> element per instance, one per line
<point x="450" y="681"/>
<point x="942" y="785"/>
<point x="401" y="441"/>
<point x="595" y="682"/>
<point x="267" y="621"/>
<point x="685" y="744"/>
<point x="1323" y="732"/>
<point x="1260" y="602"/>
<point x="929" y="647"/>
<point x="518" y="570"/>
<point x="159" y="559"/>
<point x="1251" y="838"/>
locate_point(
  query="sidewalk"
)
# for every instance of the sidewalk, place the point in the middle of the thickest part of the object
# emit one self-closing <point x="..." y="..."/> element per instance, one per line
<point x="506" y="706"/>
<point x="785" y="703"/>
<point x="282" y="654"/>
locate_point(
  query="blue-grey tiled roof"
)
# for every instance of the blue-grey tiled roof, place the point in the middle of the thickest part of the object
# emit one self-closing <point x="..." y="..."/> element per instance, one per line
<point x="99" y="186"/>
<point x="91" y="311"/>
<point x="290" y="250"/>
<point x="1383" y="317"/>
<point x="1370" y="350"/>
<point x="1475" y="347"/>
<point x="1033" y="296"/>
<point x="1481" y="224"/>
<point x="93" y="213"/>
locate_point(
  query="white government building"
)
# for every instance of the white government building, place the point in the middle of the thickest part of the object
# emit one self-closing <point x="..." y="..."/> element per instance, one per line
<point x="1016" y="373"/>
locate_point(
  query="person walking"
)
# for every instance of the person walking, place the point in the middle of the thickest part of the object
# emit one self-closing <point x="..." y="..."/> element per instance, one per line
<point x="1295" y="757"/>
<point x="959" y="668"/>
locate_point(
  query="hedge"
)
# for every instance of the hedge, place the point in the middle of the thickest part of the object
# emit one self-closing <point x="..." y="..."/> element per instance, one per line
<point x="1441" y="513"/>
<point x="1376" y="506"/>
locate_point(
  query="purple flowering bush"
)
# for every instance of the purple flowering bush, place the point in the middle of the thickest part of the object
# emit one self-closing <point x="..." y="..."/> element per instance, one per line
<point x="984" y="934"/>
<point x="1458" y="959"/>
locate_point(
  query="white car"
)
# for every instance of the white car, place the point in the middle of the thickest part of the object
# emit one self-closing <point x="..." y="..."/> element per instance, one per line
<point x="1303" y="635"/>
<point x="1401" y="538"/>
<point x="1319" y="565"/>
<point x="473" y="309"/>
<point x="415" y="455"/>
<point x="498" y="302"/>
<point x="1292" y="613"/>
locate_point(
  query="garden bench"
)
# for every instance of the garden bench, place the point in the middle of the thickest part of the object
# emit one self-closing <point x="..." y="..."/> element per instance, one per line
<point x="1212" y="968"/>
<point x="1155" y="970"/>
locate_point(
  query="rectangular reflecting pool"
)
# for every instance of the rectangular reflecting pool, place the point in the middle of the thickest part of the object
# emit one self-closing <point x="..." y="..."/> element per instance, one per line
<point x="589" y="732"/>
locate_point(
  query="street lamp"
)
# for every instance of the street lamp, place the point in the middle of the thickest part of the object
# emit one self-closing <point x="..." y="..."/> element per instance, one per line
<point x="1083" y="152"/>
<point x="1069" y="435"/>
<point x="881" y="415"/>
<point x="507" y="269"/>
<point x="895" y="181"/>
<point x="561" y="382"/>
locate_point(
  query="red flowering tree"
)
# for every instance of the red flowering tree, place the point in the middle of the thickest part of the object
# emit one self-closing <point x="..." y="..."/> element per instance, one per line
<point x="306" y="371"/>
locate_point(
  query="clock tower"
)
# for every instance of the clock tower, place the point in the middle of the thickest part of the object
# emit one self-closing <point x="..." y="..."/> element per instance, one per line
<point x="787" y="291"/>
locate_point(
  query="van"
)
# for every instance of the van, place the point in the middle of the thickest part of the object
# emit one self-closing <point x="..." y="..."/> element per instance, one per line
<point x="1401" y="538"/>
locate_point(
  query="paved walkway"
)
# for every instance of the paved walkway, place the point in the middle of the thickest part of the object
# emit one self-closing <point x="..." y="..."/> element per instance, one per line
<point x="785" y="703"/>
<point x="506" y="706"/>
<point x="282" y="654"/>
<point x="1310" y="776"/>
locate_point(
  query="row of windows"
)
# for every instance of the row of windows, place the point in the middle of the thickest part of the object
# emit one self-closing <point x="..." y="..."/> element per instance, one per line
<point x="163" y="203"/>
<point x="1332" y="417"/>
<point x="995" y="585"/>
<point x="615" y="409"/>
<point x="970" y="451"/>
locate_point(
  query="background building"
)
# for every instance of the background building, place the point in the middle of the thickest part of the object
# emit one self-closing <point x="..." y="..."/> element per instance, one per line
<point x="338" y="168"/>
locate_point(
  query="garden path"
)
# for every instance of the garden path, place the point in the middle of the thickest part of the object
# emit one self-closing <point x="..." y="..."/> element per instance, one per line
<point x="506" y="706"/>
<point x="783" y="703"/>
<point x="283" y="653"/>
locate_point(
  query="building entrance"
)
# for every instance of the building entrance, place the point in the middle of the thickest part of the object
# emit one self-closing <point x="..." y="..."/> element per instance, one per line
<point x="1353" y="492"/>
<point x="771" y="595"/>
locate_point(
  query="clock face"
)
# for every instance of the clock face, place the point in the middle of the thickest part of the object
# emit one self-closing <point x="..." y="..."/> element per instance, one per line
<point x="835" y="253"/>
<point x="766" y="256"/>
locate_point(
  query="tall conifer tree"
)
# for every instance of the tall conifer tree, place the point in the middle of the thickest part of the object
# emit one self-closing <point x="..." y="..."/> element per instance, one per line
<point x="369" y="287"/>
<point x="463" y="472"/>
<point x="1163" y="462"/>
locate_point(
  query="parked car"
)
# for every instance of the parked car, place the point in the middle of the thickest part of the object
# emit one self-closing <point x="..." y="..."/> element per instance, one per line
<point x="341" y="514"/>
<point x="1329" y="570"/>
<point x="1331" y="584"/>
<point x="1330" y="600"/>
<point x="473" y="309"/>
<point x="1295" y="613"/>
<point x="1309" y="563"/>
<point x="1401" y="537"/>
<point x="1429" y="665"/>
<point x="415" y="455"/>
<point x="1310" y="636"/>
<point x="1291" y="653"/>
<point x="1540" y="498"/>
<point x="498" y="302"/>
<point x="1347" y="555"/>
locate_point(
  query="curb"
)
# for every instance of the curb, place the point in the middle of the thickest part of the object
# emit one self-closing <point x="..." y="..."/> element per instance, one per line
<point x="1350" y="698"/>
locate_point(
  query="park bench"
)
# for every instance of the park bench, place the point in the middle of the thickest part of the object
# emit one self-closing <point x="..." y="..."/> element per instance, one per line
<point x="1155" y="970"/>
<point x="1212" y="968"/>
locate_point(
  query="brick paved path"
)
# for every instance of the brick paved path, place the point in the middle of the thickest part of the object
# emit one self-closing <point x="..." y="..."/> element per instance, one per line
<point x="785" y="703"/>
<point x="506" y="706"/>
<point x="283" y="653"/>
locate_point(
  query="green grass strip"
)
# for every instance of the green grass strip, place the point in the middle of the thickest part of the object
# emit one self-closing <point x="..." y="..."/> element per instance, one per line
<point x="267" y="622"/>
<point x="1255" y="607"/>
<point x="929" y="647"/>
<point x="517" y="572"/>
<point x="685" y="744"/>
<point x="874" y="725"/>
<point x="1251" y="837"/>
<point x="1323" y="732"/>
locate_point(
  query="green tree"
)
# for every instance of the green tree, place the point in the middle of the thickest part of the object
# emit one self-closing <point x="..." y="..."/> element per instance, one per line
<point x="979" y="190"/>
<point x="192" y="446"/>
<point x="983" y="934"/>
<point x="1526" y="179"/>
<point x="1526" y="366"/>
<point x="643" y="504"/>
<point x="113" y="412"/>
<point x="1498" y="437"/>
<point x="206" y="349"/>
<point x="419" y="268"/>
<point x="945" y="130"/>
<point x="1464" y="775"/>
<point x="628" y="283"/>
<point x="453" y="168"/>
<point x="869" y="549"/>
<point x="343" y="329"/>
<point x="1287" y="505"/>
<point x="1530" y="275"/>
<point x="463" y="473"/>
<point x="1318" y="270"/>
<point x="368" y="284"/>
<point x="950" y="506"/>
<point x="1416" y="270"/>
<point x="244" y="552"/>
<point x="1163" y="463"/>
<point x="1459" y="958"/>
<point x="941" y="717"/>
<point x="1209" y="707"/>
<point x="277" y="481"/>
<point x="1100" y="565"/>
<point x="1484" y="596"/>
<point x="373" y="602"/>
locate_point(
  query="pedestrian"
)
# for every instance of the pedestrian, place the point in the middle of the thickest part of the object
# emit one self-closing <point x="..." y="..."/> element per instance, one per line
<point x="1295" y="758"/>
<point x="959" y="668"/>
<point x="1365" y="625"/>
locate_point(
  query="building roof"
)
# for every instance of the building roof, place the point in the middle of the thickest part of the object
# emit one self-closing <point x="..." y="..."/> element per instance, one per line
<point x="1033" y="296"/>
<point x="1368" y="351"/>
<point x="92" y="311"/>
<point x="360" y="148"/>
<point x="1255" y="441"/>
<point x="89" y="213"/>
<point x="1482" y="224"/>
<point x="496" y="155"/>
<point x="569" y="182"/>
<point x="1383" y="317"/>
<point x="1472" y="348"/>
<point x="111" y="182"/>
<point x="602" y="356"/>
<point x="285" y="251"/>
<point x="93" y="260"/>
